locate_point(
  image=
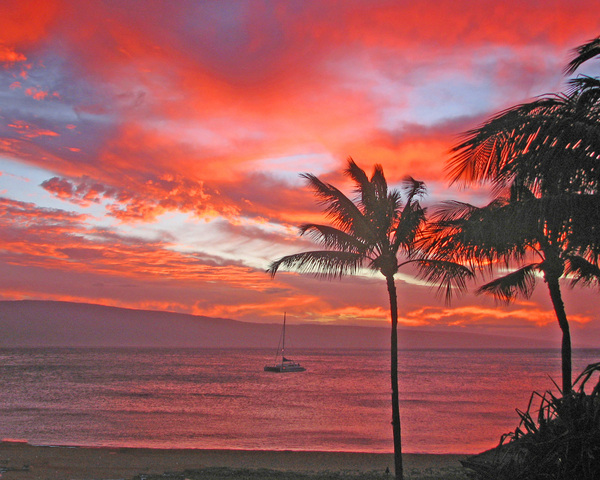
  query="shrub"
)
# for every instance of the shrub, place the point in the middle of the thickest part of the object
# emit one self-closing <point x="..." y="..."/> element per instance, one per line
<point x="560" y="442"/>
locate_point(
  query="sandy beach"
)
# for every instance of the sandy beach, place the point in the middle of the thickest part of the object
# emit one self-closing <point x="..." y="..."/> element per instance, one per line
<point x="21" y="461"/>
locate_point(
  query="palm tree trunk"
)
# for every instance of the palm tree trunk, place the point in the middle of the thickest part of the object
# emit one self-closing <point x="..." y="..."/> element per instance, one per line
<point x="391" y="286"/>
<point x="561" y="315"/>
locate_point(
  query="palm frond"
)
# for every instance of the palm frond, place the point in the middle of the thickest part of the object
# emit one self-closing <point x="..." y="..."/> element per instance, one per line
<point x="410" y="225"/>
<point x="567" y="221"/>
<point x="485" y="153"/>
<point x="323" y="264"/>
<point x="344" y="214"/>
<point x="333" y="238"/>
<point x="583" y="93"/>
<point x="482" y="236"/>
<point x="546" y="143"/>
<point x="364" y="188"/>
<point x="377" y="205"/>
<point x="394" y="206"/>
<point x="582" y="271"/>
<point x="413" y="188"/>
<point x="447" y="275"/>
<point x="506" y="288"/>
<point x="450" y="211"/>
<point x="379" y="183"/>
<point x="584" y="214"/>
<point x="582" y="54"/>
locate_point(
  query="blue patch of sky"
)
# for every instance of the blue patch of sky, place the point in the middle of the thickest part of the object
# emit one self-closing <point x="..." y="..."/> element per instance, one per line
<point x="225" y="17"/>
<point x="459" y="84"/>
<point x="60" y="110"/>
<point x="216" y="238"/>
<point x="246" y="241"/>
<point x="424" y="93"/>
<point x="441" y="191"/>
<point x="289" y="167"/>
<point x="22" y="182"/>
<point x="590" y="69"/>
<point x="49" y="73"/>
<point x="169" y="228"/>
<point x="189" y="235"/>
<point x="433" y="94"/>
<point x="214" y="133"/>
<point x="438" y="101"/>
<point x="17" y="105"/>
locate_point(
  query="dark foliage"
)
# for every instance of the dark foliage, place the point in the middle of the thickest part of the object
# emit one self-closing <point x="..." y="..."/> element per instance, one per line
<point x="560" y="441"/>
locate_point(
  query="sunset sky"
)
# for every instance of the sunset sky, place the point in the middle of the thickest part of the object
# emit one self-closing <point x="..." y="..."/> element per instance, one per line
<point x="151" y="151"/>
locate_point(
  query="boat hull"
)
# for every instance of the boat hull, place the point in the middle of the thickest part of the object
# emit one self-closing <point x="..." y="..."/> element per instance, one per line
<point x="285" y="368"/>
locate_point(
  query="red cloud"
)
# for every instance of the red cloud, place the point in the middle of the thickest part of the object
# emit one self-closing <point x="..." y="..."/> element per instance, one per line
<point x="209" y="111"/>
<point x="29" y="130"/>
<point x="179" y="107"/>
<point x="53" y="254"/>
<point x="52" y="240"/>
<point x="60" y="187"/>
<point x="23" y="24"/>
<point x="133" y="201"/>
<point x="36" y="93"/>
<point x="8" y="55"/>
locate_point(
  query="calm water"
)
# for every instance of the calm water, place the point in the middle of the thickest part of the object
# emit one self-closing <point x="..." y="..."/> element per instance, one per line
<point x="452" y="401"/>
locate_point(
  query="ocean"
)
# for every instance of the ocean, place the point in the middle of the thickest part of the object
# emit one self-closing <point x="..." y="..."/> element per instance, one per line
<point x="452" y="401"/>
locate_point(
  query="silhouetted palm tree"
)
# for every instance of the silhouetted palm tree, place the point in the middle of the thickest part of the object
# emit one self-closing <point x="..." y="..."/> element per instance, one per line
<point x="547" y="152"/>
<point x="528" y="235"/>
<point x="378" y="232"/>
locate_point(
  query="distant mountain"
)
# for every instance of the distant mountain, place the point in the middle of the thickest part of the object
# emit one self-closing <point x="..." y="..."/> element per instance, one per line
<point x="30" y="323"/>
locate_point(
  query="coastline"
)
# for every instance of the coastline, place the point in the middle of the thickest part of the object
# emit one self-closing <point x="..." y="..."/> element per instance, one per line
<point x="22" y="461"/>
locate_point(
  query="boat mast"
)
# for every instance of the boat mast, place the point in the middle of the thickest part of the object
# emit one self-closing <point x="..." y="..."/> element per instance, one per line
<point x="283" y="345"/>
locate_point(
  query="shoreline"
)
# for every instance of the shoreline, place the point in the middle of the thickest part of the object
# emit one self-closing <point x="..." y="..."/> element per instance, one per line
<point x="23" y="461"/>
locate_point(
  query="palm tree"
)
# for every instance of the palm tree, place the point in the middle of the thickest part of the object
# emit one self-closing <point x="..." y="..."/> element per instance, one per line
<point x="547" y="152"/>
<point x="529" y="235"/>
<point x="377" y="231"/>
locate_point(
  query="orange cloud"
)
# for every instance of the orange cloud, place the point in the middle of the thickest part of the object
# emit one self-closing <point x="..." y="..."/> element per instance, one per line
<point x="187" y="107"/>
<point x="8" y="55"/>
<point x="28" y="130"/>
<point x="56" y="241"/>
<point x="36" y="94"/>
<point x="181" y="108"/>
<point x="53" y="254"/>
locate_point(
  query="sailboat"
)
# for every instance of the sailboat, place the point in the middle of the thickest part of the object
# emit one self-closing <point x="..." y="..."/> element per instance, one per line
<point x="285" y="364"/>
